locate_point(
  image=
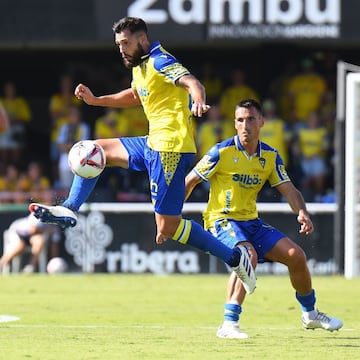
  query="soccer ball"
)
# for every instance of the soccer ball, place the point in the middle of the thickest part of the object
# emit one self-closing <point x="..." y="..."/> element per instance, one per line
<point x="87" y="159"/>
<point x="56" y="265"/>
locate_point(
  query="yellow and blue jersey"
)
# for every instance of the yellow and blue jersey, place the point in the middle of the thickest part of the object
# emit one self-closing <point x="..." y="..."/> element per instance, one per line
<point x="236" y="179"/>
<point x="308" y="90"/>
<point x="166" y="106"/>
<point x="313" y="142"/>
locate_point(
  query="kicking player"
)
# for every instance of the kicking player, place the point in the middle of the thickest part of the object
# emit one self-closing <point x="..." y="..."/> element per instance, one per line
<point x="237" y="169"/>
<point x="170" y="96"/>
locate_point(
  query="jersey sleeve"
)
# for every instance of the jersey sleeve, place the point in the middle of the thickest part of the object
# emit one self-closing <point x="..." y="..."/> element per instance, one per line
<point x="279" y="174"/>
<point x="169" y="66"/>
<point x="207" y="166"/>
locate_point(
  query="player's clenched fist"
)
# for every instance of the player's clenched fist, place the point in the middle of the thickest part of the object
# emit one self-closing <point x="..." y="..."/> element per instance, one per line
<point x="82" y="92"/>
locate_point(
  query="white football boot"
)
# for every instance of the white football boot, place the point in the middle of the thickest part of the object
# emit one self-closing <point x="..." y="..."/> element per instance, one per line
<point x="245" y="270"/>
<point x="322" y="321"/>
<point x="58" y="215"/>
<point x="230" y="330"/>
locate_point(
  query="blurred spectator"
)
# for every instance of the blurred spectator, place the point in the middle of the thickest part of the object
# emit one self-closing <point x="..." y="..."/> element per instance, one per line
<point x="279" y="89"/>
<point x="13" y="140"/>
<point x="136" y="119"/>
<point x="4" y="119"/>
<point x="35" y="184"/>
<point x="327" y="65"/>
<point x="328" y="111"/>
<point x="28" y="231"/>
<point x="134" y="185"/>
<point x="20" y="187"/>
<point x="214" y="129"/>
<point x="59" y="108"/>
<point x="75" y="130"/>
<point x="276" y="132"/>
<point x="113" y="124"/>
<point x="305" y="91"/>
<point x="212" y="82"/>
<point x="9" y="185"/>
<point x="237" y="91"/>
<point x="62" y="101"/>
<point x="312" y="143"/>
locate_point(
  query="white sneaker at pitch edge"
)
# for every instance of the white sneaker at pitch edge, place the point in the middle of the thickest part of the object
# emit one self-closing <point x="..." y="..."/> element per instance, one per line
<point x="58" y="215"/>
<point x="322" y="321"/>
<point x="230" y="331"/>
<point x="245" y="270"/>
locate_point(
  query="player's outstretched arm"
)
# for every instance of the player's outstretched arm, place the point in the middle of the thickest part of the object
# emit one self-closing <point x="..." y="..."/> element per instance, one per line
<point x="124" y="98"/>
<point x="191" y="180"/>
<point x="297" y="204"/>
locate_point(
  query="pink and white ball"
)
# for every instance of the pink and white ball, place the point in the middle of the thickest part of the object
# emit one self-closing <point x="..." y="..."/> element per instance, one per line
<point x="57" y="265"/>
<point x="87" y="159"/>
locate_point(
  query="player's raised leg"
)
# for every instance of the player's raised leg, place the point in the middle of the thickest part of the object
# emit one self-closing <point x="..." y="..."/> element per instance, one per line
<point x="65" y="215"/>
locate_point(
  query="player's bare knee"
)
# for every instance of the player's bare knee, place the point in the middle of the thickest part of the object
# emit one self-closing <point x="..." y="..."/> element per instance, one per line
<point x="161" y="238"/>
<point x="297" y="258"/>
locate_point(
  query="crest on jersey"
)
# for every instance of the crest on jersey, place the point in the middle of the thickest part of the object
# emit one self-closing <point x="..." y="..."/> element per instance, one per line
<point x="262" y="162"/>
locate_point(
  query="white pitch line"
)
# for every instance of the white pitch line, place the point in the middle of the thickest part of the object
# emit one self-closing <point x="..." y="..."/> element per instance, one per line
<point x="8" y="318"/>
<point x="153" y="327"/>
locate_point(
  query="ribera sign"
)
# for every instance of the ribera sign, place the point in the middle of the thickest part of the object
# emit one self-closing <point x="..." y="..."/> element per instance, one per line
<point x="246" y="18"/>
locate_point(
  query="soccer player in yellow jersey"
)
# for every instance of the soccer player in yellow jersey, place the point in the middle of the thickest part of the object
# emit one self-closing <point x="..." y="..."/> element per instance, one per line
<point x="237" y="169"/>
<point x="170" y="96"/>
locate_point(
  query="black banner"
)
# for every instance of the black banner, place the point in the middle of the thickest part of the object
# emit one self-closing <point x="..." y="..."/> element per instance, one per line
<point x="54" y="23"/>
<point x="125" y="242"/>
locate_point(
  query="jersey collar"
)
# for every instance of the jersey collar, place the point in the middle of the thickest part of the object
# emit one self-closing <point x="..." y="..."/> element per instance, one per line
<point x="241" y="148"/>
<point x="155" y="45"/>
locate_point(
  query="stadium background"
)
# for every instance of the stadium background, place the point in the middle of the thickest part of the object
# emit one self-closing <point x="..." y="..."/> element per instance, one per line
<point x="40" y="40"/>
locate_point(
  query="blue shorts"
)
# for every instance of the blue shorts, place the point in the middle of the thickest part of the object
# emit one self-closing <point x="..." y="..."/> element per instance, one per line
<point x="167" y="171"/>
<point x="257" y="232"/>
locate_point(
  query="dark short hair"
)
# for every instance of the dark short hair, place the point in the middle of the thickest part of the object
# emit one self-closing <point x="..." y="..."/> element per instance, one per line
<point x="250" y="103"/>
<point x="133" y="24"/>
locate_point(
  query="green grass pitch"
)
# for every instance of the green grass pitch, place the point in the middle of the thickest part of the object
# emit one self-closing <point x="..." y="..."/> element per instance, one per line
<point x="101" y="316"/>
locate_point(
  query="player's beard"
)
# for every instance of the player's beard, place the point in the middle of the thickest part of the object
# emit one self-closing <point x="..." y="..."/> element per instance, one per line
<point x="136" y="58"/>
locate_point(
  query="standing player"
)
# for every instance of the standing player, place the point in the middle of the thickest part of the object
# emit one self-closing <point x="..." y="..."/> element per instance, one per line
<point x="237" y="169"/>
<point x="170" y="95"/>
